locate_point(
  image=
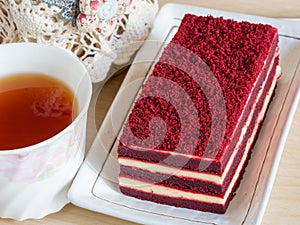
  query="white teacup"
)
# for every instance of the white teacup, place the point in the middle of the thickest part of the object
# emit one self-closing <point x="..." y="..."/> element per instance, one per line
<point x="34" y="180"/>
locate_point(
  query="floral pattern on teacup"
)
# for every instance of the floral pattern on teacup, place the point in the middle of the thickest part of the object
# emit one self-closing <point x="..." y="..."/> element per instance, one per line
<point x="23" y="167"/>
<point x="42" y="162"/>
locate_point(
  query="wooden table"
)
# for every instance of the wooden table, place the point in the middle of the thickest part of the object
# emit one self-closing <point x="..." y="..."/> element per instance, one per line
<point x="284" y="204"/>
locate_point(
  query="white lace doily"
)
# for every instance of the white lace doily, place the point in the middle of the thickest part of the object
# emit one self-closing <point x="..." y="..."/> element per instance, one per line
<point x="35" y="21"/>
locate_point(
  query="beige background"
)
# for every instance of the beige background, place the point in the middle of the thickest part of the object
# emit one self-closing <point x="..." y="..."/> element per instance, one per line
<point x="284" y="204"/>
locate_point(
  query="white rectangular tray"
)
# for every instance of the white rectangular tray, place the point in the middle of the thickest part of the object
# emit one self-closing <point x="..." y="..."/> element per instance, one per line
<point x="96" y="186"/>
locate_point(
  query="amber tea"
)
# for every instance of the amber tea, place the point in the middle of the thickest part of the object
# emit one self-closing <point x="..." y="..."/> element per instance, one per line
<point x="33" y="108"/>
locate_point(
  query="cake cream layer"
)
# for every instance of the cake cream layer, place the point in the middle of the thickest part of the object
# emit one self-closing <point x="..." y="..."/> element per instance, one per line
<point x="167" y="192"/>
<point x="193" y="181"/>
<point x="177" y="202"/>
<point x="216" y="179"/>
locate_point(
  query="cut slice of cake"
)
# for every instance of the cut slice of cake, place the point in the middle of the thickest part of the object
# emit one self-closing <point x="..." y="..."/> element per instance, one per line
<point x="189" y="135"/>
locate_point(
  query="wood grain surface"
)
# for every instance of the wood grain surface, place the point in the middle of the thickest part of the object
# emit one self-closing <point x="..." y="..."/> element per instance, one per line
<point x="284" y="205"/>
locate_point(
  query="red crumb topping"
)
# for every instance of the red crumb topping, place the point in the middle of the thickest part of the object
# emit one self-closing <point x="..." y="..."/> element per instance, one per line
<point x="234" y="52"/>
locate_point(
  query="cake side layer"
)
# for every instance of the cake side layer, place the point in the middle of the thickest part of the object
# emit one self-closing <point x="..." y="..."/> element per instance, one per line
<point x="183" y="203"/>
<point x="268" y="73"/>
<point x="196" y="181"/>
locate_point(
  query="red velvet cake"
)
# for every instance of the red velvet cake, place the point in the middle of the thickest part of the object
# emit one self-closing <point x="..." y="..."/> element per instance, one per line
<point x="188" y="137"/>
